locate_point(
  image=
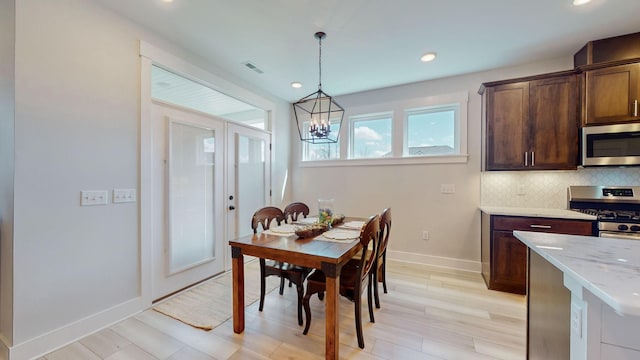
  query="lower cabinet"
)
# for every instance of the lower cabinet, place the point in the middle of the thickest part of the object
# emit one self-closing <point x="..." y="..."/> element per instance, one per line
<point x="504" y="258"/>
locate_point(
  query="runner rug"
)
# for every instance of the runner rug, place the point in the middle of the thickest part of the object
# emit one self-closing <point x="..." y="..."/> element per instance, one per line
<point x="209" y="304"/>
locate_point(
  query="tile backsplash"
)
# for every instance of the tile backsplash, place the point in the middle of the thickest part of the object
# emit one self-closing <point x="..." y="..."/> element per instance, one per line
<point x="547" y="189"/>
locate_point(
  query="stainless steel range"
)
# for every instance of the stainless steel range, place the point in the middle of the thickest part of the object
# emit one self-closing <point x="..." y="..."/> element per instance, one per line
<point x="617" y="208"/>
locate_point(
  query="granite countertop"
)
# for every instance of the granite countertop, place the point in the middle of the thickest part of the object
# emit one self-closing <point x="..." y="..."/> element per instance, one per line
<point x="608" y="268"/>
<point x="536" y="212"/>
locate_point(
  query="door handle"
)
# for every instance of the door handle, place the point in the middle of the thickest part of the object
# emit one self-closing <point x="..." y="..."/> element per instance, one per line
<point x="231" y="207"/>
<point x="533" y="158"/>
<point x="526" y="158"/>
<point x="540" y="226"/>
<point x="635" y="107"/>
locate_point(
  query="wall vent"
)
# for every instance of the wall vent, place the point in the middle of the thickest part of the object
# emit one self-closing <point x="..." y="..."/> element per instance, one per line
<point x="253" y="67"/>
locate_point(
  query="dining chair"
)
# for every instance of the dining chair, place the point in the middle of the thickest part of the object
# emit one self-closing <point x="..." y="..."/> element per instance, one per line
<point x="353" y="277"/>
<point x="379" y="273"/>
<point x="293" y="273"/>
<point x="295" y="210"/>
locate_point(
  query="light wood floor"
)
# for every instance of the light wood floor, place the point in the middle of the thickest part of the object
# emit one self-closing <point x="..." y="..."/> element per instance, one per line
<point x="429" y="313"/>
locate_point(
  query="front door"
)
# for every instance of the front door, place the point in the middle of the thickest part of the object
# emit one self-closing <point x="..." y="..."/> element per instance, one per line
<point x="248" y="177"/>
<point x="187" y="198"/>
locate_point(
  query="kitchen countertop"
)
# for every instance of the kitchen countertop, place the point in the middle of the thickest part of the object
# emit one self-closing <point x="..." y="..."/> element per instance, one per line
<point x="536" y="212"/>
<point x="608" y="268"/>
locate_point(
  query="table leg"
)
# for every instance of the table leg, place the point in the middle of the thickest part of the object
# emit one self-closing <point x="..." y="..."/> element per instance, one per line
<point x="332" y="335"/>
<point x="237" y="271"/>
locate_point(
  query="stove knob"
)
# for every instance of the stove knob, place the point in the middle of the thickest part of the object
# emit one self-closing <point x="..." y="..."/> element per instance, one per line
<point x="623" y="227"/>
<point x="635" y="227"/>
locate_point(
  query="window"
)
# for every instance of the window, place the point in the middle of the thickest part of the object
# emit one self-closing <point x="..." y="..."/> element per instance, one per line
<point x="371" y="136"/>
<point x="419" y="130"/>
<point x="321" y="151"/>
<point x="432" y="131"/>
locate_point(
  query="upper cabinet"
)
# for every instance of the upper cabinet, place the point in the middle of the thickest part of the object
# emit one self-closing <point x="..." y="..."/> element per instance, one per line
<point x="611" y="95"/>
<point x="532" y="124"/>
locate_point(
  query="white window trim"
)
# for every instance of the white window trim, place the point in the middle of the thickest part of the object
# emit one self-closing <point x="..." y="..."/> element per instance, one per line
<point x="398" y="108"/>
<point x="367" y="117"/>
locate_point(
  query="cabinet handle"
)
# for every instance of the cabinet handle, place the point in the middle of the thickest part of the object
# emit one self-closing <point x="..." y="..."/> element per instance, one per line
<point x="635" y="107"/>
<point x="540" y="226"/>
<point x="526" y="158"/>
<point x="533" y="158"/>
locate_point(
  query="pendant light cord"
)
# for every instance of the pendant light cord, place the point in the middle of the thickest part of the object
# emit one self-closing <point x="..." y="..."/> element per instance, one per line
<point x="320" y="64"/>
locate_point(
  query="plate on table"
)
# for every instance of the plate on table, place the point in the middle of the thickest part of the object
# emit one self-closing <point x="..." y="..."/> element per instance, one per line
<point x="339" y="234"/>
<point x="355" y="225"/>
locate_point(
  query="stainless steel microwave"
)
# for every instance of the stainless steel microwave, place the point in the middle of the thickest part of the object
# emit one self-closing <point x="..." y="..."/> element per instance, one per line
<point x="611" y="145"/>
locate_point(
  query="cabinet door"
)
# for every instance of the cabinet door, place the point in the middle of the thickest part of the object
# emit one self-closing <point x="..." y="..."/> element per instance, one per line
<point x="611" y="95"/>
<point x="508" y="263"/>
<point x="507" y="114"/>
<point x="554" y="123"/>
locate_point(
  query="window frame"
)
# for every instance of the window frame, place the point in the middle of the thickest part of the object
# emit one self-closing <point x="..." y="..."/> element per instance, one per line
<point x="354" y="119"/>
<point x="455" y="107"/>
<point x="399" y="109"/>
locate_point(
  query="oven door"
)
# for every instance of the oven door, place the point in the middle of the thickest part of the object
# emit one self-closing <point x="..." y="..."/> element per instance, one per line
<point x="611" y="145"/>
<point x="619" y="235"/>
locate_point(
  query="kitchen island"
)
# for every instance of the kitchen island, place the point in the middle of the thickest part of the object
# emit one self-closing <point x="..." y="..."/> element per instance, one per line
<point x="602" y="305"/>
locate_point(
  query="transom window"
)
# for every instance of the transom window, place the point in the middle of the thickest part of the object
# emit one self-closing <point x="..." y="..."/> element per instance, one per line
<point x="371" y="136"/>
<point x="419" y="130"/>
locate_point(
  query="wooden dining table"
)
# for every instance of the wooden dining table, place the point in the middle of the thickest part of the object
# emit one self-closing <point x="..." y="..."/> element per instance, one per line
<point x="312" y="252"/>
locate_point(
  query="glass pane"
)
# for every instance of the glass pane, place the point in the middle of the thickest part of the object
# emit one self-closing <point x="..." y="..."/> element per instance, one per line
<point x="251" y="172"/>
<point x="322" y="151"/>
<point x="431" y="133"/>
<point x="371" y="138"/>
<point x="191" y="196"/>
<point x="175" y="89"/>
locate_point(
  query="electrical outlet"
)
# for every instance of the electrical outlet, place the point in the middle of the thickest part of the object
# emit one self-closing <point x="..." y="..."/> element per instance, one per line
<point x="425" y="235"/>
<point x="124" y="195"/>
<point x="93" y="197"/>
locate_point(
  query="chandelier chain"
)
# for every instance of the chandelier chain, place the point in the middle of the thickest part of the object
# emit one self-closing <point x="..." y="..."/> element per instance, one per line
<point x="320" y="64"/>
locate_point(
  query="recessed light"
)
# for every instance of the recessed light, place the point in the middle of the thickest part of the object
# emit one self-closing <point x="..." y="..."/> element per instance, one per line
<point x="428" y="57"/>
<point x="167" y="1"/>
<point x="296" y="85"/>
<point x="580" y="2"/>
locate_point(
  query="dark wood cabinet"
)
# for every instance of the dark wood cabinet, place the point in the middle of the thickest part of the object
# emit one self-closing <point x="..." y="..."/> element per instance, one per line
<point x="504" y="257"/>
<point x="611" y="95"/>
<point x="533" y="124"/>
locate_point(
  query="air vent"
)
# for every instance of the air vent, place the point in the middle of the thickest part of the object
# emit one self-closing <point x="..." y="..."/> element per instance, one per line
<point x="253" y="67"/>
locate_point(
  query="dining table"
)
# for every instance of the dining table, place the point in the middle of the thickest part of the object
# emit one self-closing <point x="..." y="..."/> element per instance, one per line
<point x="317" y="252"/>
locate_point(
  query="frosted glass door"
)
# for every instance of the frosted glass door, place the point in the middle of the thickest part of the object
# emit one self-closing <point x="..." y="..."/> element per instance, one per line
<point x="187" y="198"/>
<point x="249" y="184"/>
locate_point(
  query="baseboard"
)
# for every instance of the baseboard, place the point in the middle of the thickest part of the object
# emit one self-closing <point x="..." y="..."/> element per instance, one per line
<point x="65" y="335"/>
<point x="458" y="264"/>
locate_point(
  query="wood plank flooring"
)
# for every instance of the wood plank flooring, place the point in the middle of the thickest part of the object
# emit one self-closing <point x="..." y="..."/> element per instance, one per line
<point x="429" y="313"/>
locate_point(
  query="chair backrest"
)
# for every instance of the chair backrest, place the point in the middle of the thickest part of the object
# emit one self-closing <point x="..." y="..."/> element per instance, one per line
<point x="370" y="232"/>
<point x="385" y="229"/>
<point x="294" y="210"/>
<point x="265" y="216"/>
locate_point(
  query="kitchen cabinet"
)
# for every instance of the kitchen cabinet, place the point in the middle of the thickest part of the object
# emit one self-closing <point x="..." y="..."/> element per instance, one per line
<point x="532" y="124"/>
<point x="504" y="258"/>
<point x="611" y="95"/>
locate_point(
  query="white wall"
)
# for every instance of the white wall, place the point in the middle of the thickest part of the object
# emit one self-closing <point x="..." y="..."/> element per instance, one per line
<point x="7" y="67"/>
<point x="77" y="128"/>
<point x="413" y="191"/>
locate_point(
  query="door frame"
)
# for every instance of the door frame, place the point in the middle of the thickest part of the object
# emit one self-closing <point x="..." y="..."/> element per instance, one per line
<point x="151" y="55"/>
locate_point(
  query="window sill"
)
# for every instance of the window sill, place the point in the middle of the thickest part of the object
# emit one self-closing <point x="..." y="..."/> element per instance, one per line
<point x="414" y="160"/>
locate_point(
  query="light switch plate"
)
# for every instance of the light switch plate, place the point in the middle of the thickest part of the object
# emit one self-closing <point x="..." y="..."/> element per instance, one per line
<point x="93" y="197"/>
<point x="576" y="319"/>
<point x="447" y="188"/>
<point x="124" y="195"/>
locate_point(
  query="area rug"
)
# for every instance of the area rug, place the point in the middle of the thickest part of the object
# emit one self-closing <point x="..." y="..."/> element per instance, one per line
<point x="209" y="304"/>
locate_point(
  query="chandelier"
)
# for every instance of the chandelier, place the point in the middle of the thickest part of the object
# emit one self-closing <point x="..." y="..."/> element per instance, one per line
<point x="318" y="116"/>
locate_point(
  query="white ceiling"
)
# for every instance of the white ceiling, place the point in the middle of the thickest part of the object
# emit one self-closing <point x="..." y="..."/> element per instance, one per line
<point x="375" y="43"/>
